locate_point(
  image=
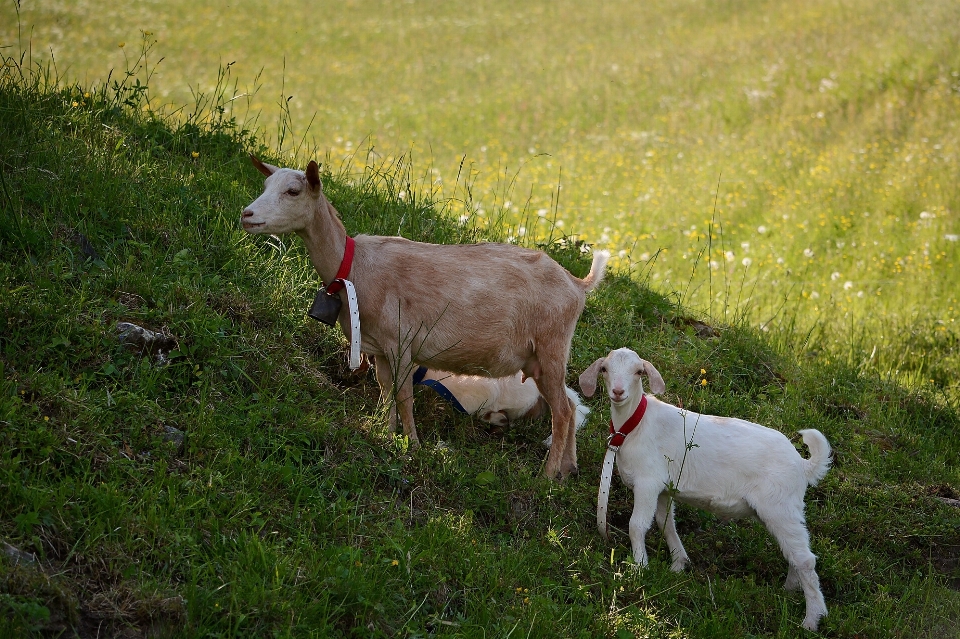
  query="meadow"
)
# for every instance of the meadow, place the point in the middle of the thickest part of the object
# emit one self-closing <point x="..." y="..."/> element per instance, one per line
<point x="244" y="486"/>
<point x="747" y="157"/>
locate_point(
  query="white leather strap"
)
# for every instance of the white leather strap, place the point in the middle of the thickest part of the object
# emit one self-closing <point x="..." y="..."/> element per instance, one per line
<point x="606" y="475"/>
<point x="354" y="324"/>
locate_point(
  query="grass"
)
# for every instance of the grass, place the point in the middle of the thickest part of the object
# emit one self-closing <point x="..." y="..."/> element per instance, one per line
<point x="824" y="131"/>
<point x="245" y="487"/>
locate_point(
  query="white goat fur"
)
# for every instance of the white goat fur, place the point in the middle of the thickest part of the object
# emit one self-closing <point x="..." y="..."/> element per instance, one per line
<point x="735" y="468"/>
<point x="481" y="309"/>
<point x="502" y="400"/>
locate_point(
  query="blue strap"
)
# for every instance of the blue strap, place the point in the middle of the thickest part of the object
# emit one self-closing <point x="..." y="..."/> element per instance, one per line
<point x="442" y="390"/>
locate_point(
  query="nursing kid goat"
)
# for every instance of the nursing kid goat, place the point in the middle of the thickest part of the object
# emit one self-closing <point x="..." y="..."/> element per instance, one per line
<point x="479" y="309"/>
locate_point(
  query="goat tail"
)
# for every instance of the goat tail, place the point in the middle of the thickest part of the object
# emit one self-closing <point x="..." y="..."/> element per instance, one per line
<point x="597" y="270"/>
<point x="819" y="463"/>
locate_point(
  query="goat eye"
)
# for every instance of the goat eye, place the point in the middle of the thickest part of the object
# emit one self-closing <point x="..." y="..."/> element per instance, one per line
<point x="603" y="369"/>
<point x="293" y="192"/>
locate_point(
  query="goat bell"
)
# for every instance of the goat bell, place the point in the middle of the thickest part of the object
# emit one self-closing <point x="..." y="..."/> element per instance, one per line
<point x="325" y="307"/>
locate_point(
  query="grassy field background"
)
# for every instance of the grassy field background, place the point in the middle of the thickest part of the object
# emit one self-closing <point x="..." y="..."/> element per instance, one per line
<point x="245" y="486"/>
<point x="749" y="157"/>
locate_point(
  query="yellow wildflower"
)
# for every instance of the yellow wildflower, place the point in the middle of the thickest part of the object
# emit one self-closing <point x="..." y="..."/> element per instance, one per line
<point x="122" y="45"/>
<point x="394" y="563"/>
<point x="703" y="382"/>
<point x="703" y="371"/>
<point x="195" y="154"/>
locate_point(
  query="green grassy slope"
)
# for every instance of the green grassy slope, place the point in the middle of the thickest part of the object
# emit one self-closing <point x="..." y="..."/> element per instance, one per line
<point x="825" y="131"/>
<point x="278" y="507"/>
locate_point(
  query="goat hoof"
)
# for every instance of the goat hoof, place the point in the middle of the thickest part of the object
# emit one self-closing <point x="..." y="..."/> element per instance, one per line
<point x="555" y="475"/>
<point x="569" y="471"/>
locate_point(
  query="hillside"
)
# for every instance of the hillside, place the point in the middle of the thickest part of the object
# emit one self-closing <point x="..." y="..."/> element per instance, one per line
<point x="750" y="154"/>
<point x="242" y="485"/>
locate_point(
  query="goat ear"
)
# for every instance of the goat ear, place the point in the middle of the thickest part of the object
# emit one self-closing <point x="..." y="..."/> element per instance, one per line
<point x="657" y="385"/>
<point x="263" y="167"/>
<point x="588" y="378"/>
<point x="313" y="174"/>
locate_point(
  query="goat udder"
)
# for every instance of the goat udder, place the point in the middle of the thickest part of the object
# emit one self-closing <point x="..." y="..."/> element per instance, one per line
<point x="531" y="369"/>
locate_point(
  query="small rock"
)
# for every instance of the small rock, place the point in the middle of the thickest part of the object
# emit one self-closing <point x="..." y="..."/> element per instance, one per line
<point x="147" y="341"/>
<point x="174" y="435"/>
<point x="16" y="555"/>
<point x="85" y="246"/>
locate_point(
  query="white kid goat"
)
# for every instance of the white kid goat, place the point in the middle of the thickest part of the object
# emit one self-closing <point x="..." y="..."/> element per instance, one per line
<point x="496" y="400"/>
<point x="480" y="309"/>
<point x="731" y="467"/>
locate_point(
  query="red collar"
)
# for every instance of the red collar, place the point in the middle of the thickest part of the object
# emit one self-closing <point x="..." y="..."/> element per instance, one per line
<point x="617" y="437"/>
<point x="345" y="265"/>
